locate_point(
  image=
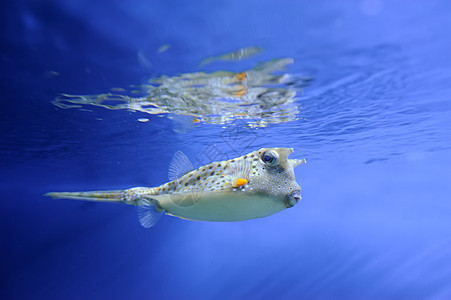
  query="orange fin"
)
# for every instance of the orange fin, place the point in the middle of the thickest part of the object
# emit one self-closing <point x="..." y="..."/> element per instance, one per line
<point x="239" y="182"/>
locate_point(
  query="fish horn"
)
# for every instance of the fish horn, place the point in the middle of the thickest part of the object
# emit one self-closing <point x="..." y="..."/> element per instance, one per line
<point x="297" y="162"/>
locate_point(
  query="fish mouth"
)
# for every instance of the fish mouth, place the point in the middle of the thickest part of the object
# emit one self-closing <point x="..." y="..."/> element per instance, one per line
<point x="293" y="198"/>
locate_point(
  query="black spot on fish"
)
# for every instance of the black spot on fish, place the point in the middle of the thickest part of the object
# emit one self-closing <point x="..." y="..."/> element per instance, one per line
<point x="198" y="178"/>
<point x="245" y="157"/>
<point x="212" y="173"/>
<point x="186" y="183"/>
<point x="232" y="160"/>
<point x="218" y="165"/>
<point x="210" y="167"/>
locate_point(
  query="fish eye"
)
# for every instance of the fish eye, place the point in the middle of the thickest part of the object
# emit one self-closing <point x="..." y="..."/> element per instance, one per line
<point x="270" y="158"/>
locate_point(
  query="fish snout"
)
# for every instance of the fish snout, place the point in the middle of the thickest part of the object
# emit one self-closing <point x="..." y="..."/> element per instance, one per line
<point x="293" y="198"/>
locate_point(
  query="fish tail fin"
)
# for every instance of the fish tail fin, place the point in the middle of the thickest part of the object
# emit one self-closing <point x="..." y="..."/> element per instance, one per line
<point x="129" y="196"/>
<point x="100" y="196"/>
<point x="149" y="210"/>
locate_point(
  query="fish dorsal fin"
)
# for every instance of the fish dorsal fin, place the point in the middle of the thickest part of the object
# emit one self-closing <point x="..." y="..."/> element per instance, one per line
<point x="148" y="213"/>
<point x="180" y="165"/>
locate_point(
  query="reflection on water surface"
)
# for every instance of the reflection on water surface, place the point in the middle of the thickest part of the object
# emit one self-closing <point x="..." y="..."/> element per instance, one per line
<point x="260" y="96"/>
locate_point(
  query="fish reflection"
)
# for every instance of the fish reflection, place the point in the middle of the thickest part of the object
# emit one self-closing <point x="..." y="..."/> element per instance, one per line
<point x="260" y="96"/>
<point x="239" y="54"/>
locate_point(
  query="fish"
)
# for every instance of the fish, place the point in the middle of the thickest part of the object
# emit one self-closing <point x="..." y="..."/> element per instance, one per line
<point x="254" y="185"/>
<point x="239" y="54"/>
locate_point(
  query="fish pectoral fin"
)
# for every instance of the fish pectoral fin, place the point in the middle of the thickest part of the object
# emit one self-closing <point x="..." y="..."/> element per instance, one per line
<point x="239" y="182"/>
<point x="240" y="172"/>
<point x="149" y="212"/>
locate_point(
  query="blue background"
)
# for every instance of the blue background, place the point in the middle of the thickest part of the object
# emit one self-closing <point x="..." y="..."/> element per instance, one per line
<point x="374" y="127"/>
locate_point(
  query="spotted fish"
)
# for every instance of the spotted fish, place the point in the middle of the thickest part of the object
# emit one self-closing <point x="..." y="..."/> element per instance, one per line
<point x="251" y="186"/>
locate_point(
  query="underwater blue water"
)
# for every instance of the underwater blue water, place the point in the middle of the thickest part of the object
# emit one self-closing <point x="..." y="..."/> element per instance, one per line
<point x="374" y="126"/>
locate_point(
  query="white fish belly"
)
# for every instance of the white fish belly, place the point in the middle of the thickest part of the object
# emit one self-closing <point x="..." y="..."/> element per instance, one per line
<point x="220" y="207"/>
